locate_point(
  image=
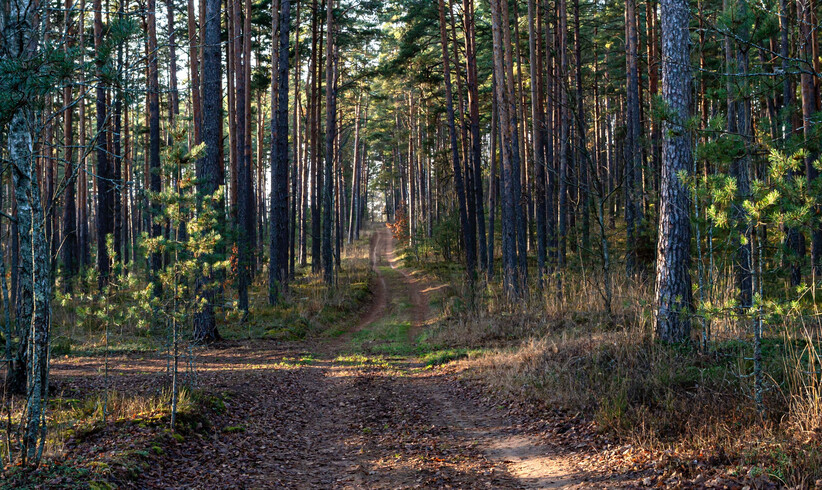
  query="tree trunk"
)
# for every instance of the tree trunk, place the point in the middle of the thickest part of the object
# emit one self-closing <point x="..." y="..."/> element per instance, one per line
<point x="810" y="98"/>
<point x="538" y="135"/>
<point x="673" y="280"/>
<point x="244" y="192"/>
<point x="492" y="181"/>
<point x="330" y="135"/>
<point x="70" y="252"/>
<point x="278" y="239"/>
<point x="739" y="126"/>
<point x="209" y="166"/>
<point x="317" y="187"/>
<point x="633" y="155"/>
<point x="296" y="175"/>
<point x="509" y="180"/>
<point x="564" y="132"/>
<point x="248" y="185"/>
<point x="355" y="174"/>
<point x="29" y="370"/>
<point x="550" y="127"/>
<point x="583" y="157"/>
<point x="105" y="201"/>
<point x="794" y="239"/>
<point x="473" y="108"/>
<point x="518" y="148"/>
<point x="470" y="245"/>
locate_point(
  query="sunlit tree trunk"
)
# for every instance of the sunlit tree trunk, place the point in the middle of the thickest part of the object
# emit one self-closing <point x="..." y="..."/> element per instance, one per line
<point x="355" y="173"/>
<point x="810" y="101"/>
<point x="508" y="179"/>
<point x="29" y="370"/>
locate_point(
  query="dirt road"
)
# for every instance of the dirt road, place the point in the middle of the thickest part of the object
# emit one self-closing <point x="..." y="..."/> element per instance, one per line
<point x="312" y="415"/>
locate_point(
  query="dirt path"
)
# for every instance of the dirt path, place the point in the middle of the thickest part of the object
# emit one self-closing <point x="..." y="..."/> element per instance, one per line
<point x="414" y="290"/>
<point x="311" y="415"/>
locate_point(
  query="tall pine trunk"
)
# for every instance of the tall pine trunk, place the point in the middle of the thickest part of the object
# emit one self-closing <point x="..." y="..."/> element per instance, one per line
<point x="508" y="178"/>
<point x="209" y="167"/>
<point x="468" y="237"/>
<point x="105" y="175"/>
<point x="673" y="280"/>
<point x="538" y="135"/>
<point x="69" y="251"/>
<point x="279" y="236"/>
<point x="633" y="155"/>
<point x="330" y="135"/>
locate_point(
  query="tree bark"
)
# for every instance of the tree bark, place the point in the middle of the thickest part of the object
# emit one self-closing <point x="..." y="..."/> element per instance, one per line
<point x="330" y="135"/>
<point x="509" y="178"/>
<point x="470" y="245"/>
<point x="633" y="155"/>
<point x="538" y="136"/>
<point x="564" y="132"/>
<point x="278" y="239"/>
<point x="673" y="280"/>
<point x="244" y="192"/>
<point x="810" y="101"/>
<point x="208" y="168"/>
<point x="70" y="251"/>
<point x="105" y="196"/>
<point x="474" y="114"/>
<point x="740" y="127"/>
<point x="29" y="370"/>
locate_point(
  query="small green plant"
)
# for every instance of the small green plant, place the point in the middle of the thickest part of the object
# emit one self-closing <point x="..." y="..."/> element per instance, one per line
<point x="233" y="429"/>
<point x="192" y="251"/>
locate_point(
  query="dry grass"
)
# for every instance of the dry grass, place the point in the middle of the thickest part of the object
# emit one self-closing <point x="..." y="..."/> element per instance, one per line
<point x="677" y="400"/>
<point x="77" y="418"/>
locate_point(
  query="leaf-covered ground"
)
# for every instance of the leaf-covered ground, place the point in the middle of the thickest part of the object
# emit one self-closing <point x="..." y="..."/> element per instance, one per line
<point x="361" y="410"/>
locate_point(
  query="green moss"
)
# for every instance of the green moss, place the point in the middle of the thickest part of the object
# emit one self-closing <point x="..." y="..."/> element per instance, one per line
<point x="444" y="356"/>
<point x="234" y="429"/>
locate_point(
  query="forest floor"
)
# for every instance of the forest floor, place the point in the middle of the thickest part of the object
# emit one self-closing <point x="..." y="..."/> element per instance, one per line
<point x="364" y="409"/>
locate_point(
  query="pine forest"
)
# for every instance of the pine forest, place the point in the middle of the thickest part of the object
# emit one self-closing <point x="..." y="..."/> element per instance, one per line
<point x="410" y="244"/>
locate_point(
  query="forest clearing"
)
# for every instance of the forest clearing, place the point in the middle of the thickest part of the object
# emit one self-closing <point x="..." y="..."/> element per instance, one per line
<point x="410" y="244"/>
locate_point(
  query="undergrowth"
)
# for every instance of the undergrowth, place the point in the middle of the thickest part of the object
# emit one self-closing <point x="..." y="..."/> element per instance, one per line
<point x="693" y="401"/>
<point x="86" y="450"/>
